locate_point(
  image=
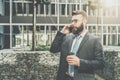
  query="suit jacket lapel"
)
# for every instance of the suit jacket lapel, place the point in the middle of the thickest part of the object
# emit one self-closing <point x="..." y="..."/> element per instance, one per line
<point x="83" y="41"/>
<point x="70" y="42"/>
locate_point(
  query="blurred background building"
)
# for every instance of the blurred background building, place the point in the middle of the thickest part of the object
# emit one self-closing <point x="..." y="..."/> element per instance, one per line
<point x="16" y="20"/>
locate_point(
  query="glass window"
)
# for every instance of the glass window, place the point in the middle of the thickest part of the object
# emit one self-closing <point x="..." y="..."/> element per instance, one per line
<point x="30" y="8"/>
<point x="63" y="6"/>
<point x="77" y="1"/>
<point x="6" y="30"/>
<point x="85" y="7"/>
<point x="118" y="29"/>
<point x="47" y="9"/>
<point x="27" y="8"/>
<point x="1" y="29"/>
<point x="109" y="40"/>
<point x="42" y="27"/>
<point x="19" y="8"/>
<point x="62" y="1"/>
<point x="7" y="10"/>
<point x="112" y="29"/>
<point x="71" y="1"/>
<point x="30" y="28"/>
<point x="53" y="28"/>
<point x="53" y="9"/>
<point x="119" y="40"/>
<point x="78" y="7"/>
<point x="109" y="29"/>
<point x="14" y="9"/>
<point x="37" y="28"/>
<point x="68" y="9"/>
<point x="92" y="29"/>
<point x="104" y="39"/>
<point x="41" y="8"/>
<point x="52" y="0"/>
<point x="60" y="27"/>
<point x="73" y="7"/>
<point x="112" y="40"/>
<point x="99" y="29"/>
<point x="24" y="5"/>
<point x="16" y="30"/>
<point x="104" y="29"/>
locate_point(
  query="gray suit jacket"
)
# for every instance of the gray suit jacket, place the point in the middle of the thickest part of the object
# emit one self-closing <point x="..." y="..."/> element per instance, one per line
<point x="90" y="53"/>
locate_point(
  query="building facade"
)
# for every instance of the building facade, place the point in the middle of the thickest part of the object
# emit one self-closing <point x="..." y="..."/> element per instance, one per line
<point x="16" y="20"/>
<point x="1" y="26"/>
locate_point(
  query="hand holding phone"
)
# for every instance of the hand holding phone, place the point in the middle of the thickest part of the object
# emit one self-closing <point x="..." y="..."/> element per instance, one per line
<point x="66" y="29"/>
<point x="70" y="29"/>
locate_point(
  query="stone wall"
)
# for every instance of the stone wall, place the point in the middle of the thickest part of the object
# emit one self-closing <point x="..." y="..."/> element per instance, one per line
<point x="44" y="65"/>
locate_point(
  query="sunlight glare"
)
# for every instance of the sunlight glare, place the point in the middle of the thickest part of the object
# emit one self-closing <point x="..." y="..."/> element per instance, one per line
<point x="108" y="3"/>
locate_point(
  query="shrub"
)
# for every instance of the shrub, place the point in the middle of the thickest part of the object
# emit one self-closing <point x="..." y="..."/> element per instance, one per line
<point x="42" y="48"/>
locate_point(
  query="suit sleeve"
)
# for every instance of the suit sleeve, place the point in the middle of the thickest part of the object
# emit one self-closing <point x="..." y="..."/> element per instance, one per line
<point x="57" y="42"/>
<point x="97" y="63"/>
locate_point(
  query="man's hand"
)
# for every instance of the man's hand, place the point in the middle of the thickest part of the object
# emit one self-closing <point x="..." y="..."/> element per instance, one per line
<point x="65" y="29"/>
<point x="73" y="60"/>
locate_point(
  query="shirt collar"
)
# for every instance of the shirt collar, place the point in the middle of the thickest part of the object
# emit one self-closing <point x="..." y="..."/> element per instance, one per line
<point x="83" y="34"/>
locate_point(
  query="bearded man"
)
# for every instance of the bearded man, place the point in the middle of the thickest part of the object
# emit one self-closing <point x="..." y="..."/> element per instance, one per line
<point x="80" y="52"/>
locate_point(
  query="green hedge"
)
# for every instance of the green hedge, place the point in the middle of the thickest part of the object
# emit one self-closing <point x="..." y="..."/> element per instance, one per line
<point x="42" y="48"/>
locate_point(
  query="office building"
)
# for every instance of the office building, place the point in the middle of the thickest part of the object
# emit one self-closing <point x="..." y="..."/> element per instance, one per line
<point x="16" y="20"/>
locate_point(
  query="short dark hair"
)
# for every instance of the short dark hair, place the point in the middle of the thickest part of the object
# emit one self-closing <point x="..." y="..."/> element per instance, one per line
<point x="83" y="13"/>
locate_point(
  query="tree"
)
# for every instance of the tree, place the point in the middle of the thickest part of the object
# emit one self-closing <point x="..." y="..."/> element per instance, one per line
<point x="35" y="4"/>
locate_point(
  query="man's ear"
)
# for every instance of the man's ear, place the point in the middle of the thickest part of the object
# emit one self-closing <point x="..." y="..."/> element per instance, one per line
<point x="84" y="21"/>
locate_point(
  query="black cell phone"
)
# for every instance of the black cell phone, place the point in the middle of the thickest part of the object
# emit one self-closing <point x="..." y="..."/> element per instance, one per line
<point x="70" y="29"/>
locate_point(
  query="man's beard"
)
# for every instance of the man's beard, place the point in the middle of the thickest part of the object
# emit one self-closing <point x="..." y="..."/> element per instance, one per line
<point x="78" y="30"/>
